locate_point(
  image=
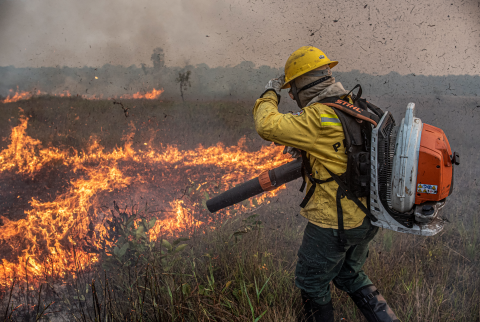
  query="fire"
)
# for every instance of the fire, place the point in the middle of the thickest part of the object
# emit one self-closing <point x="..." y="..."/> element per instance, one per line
<point x="154" y="94"/>
<point x="19" y="96"/>
<point x="59" y="233"/>
<point x="179" y="217"/>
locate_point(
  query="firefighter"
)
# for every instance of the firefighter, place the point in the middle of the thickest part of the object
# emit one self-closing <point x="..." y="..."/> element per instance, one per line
<point x="330" y="251"/>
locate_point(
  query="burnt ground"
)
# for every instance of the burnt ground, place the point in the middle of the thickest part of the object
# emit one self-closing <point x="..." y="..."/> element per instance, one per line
<point x="70" y="123"/>
<point x="449" y="261"/>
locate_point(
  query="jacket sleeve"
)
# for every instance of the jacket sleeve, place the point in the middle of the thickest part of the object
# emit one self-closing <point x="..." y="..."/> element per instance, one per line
<point x="298" y="130"/>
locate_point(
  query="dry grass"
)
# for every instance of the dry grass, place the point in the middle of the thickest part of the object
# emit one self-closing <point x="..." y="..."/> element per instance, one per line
<point x="423" y="279"/>
<point x="222" y="278"/>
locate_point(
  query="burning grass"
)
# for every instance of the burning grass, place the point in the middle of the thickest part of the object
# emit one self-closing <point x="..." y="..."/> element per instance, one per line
<point x="221" y="276"/>
<point x="125" y="268"/>
<point x="44" y="239"/>
<point x="15" y="96"/>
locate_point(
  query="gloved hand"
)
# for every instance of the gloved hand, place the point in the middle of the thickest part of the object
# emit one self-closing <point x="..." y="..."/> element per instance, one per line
<point x="276" y="84"/>
<point x="293" y="151"/>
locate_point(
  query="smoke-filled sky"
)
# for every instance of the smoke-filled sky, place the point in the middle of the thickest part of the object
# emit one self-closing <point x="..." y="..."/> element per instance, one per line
<point x="430" y="37"/>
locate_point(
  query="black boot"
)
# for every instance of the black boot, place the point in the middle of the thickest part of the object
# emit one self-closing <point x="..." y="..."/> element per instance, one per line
<point x="313" y="312"/>
<point x="373" y="305"/>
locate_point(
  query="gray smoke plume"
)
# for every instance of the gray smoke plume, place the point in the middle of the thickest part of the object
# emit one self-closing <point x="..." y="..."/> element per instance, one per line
<point x="431" y="37"/>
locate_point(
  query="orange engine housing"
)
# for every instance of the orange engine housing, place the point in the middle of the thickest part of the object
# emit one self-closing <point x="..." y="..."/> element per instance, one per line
<point x="435" y="170"/>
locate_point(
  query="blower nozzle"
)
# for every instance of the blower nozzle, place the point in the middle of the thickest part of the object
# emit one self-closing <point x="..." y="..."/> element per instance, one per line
<point x="268" y="180"/>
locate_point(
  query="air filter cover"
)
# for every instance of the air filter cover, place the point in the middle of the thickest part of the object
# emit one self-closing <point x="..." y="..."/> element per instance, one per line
<point x="435" y="168"/>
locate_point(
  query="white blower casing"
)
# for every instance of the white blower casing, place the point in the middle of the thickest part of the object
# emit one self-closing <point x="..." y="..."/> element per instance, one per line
<point x="398" y="197"/>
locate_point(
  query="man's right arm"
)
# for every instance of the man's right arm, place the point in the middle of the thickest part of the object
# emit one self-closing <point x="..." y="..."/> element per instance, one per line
<point x="299" y="130"/>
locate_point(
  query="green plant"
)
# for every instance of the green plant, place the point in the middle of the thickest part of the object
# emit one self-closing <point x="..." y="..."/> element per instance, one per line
<point x="131" y="245"/>
<point x="252" y="309"/>
<point x="388" y="240"/>
<point x="128" y="233"/>
<point x="167" y="257"/>
<point x="249" y="224"/>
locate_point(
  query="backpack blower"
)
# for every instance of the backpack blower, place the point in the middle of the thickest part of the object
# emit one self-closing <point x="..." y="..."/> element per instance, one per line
<point x="411" y="175"/>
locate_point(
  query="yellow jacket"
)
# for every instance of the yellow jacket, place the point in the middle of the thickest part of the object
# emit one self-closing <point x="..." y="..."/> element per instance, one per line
<point x="317" y="130"/>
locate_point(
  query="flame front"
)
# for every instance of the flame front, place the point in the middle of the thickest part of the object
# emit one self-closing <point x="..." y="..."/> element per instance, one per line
<point x="59" y="235"/>
<point x="154" y="94"/>
<point x="26" y="95"/>
<point x="19" y="96"/>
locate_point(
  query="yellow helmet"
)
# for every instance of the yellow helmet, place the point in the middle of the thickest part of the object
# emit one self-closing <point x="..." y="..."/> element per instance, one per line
<point x="302" y="61"/>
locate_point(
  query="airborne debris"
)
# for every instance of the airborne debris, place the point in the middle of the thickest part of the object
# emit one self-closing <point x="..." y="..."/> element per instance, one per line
<point x="125" y="110"/>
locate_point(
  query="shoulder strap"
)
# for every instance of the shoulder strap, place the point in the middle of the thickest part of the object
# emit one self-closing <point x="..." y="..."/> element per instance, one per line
<point x="377" y="110"/>
<point x="359" y="93"/>
<point x="350" y="196"/>
<point x="350" y="109"/>
<point x="351" y="129"/>
<point x="307" y="172"/>
<point x="363" y="103"/>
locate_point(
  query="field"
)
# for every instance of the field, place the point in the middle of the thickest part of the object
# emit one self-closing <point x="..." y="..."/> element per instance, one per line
<point x="239" y="268"/>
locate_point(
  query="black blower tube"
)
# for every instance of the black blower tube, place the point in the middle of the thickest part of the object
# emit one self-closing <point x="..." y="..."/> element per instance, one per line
<point x="269" y="180"/>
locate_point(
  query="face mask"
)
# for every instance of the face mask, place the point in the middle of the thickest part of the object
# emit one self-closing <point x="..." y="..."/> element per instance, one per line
<point x="322" y="75"/>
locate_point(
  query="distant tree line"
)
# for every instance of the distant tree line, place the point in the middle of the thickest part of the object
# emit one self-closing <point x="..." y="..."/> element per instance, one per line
<point x="242" y="81"/>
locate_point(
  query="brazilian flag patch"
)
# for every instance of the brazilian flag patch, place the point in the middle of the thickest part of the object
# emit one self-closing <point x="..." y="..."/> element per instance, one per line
<point x="298" y="113"/>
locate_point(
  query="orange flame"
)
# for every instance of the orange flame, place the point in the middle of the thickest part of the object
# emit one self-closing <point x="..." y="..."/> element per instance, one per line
<point x="19" y="96"/>
<point x="154" y="94"/>
<point x="59" y="235"/>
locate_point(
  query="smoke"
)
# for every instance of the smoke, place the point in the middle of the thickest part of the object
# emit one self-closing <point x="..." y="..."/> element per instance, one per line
<point x="398" y="51"/>
<point x="432" y="37"/>
<point x="93" y="33"/>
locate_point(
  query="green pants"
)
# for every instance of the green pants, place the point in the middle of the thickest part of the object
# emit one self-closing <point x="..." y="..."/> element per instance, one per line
<point x="322" y="259"/>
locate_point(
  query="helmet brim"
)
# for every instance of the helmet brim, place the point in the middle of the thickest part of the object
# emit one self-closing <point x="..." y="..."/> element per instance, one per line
<point x="332" y="64"/>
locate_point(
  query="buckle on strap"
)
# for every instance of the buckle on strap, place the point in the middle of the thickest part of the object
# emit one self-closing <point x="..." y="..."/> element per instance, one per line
<point x="368" y="297"/>
<point x="342" y="238"/>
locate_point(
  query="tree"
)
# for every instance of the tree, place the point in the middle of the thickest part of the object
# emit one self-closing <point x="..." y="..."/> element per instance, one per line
<point x="144" y="68"/>
<point x="183" y="80"/>
<point x="158" y="59"/>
